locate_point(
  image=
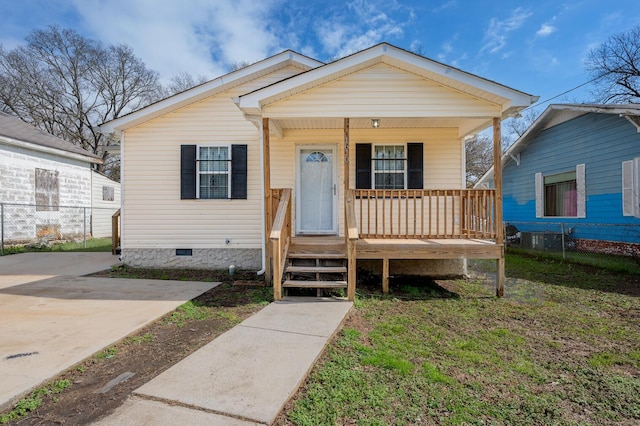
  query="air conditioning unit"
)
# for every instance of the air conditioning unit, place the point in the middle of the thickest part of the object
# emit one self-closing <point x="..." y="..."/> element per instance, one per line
<point x="551" y="241"/>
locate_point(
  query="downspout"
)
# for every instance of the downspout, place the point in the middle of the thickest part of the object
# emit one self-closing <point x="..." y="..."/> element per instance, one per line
<point x="257" y="121"/>
<point x="122" y="192"/>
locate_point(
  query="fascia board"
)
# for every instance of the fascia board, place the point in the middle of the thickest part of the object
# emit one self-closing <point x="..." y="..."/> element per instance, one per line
<point x="253" y="100"/>
<point x="204" y="90"/>
<point x="48" y="150"/>
<point x="514" y="98"/>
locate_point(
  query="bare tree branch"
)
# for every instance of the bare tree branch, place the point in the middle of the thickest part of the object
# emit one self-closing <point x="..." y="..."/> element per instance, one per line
<point x="479" y="158"/>
<point x="66" y="85"/>
<point x="183" y="81"/>
<point x="615" y="65"/>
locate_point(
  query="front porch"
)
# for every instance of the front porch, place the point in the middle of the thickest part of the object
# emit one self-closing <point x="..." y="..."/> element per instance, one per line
<point x="373" y="144"/>
<point x="386" y="225"/>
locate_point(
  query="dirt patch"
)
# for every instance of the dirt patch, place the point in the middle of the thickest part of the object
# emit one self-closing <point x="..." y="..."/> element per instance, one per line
<point x="153" y="349"/>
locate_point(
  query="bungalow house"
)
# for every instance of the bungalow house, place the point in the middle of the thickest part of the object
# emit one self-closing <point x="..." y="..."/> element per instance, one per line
<point x="293" y="166"/>
<point x="48" y="189"/>
<point x="573" y="179"/>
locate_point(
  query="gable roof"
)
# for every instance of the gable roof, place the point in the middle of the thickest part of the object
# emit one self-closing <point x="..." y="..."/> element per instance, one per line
<point x="14" y="131"/>
<point x="557" y="114"/>
<point x="510" y="100"/>
<point x="210" y="88"/>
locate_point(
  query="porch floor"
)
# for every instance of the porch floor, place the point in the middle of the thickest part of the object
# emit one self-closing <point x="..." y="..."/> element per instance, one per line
<point x="399" y="248"/>
<point x="410" y="248"/>
<point x="333" y="247"/>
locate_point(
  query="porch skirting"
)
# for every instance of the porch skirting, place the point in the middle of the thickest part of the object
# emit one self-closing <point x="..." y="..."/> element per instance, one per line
<point x="435" y="268"/>
<point x="218" y="258"/>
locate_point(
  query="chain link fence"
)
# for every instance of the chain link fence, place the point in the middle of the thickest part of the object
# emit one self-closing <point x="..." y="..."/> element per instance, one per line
<point x="597" y="244"/>
<point x="44" y="225"/>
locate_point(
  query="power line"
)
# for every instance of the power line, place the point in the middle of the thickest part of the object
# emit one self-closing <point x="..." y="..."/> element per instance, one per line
<point x="562" y="94"/>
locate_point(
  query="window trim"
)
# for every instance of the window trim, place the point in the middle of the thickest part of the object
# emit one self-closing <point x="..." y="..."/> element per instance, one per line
<point x="405" y="172"/>
<point x="581" y="211"/>
<point x="228" y="172"/>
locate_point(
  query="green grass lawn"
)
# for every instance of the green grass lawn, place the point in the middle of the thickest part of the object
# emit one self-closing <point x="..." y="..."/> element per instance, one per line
<point x="563" y="347"/>
<point x="92" y="244"/>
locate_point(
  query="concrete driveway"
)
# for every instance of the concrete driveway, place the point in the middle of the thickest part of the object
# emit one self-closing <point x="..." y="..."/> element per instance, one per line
<point x="52" y="317"/>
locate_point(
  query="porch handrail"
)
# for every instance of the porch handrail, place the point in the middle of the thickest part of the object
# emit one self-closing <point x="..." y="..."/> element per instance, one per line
<point x="115" y="232"/>
<point x="426" y="213"/>
<point x="280" y="239"/>
<point x="351" y="236"/>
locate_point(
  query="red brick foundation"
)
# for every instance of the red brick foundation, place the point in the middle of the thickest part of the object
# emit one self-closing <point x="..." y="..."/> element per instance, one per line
<point x="608" y="247"/>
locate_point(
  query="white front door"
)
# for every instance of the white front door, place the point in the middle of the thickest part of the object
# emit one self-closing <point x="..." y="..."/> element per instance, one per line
<point x="316" y="193"/>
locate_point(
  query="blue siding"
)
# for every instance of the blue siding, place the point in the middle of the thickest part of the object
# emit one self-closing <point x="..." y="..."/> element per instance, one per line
<point x="601" y="142"/>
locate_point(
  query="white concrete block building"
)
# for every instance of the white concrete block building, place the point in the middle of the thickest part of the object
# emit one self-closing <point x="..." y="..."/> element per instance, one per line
<point x="47" y="187"/>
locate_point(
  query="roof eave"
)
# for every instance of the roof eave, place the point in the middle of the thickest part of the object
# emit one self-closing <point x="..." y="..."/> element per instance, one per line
<point x="538" y="125"/>
<point x="515" y="100"/>
<point x="88" y="158"/>
<point x="204" y="90"/>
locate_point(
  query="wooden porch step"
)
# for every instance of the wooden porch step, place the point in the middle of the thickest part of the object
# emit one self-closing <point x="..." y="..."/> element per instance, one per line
<point x="320" y="269"/>
<point x="314" y="284"/>
<point x="316" y="255"/>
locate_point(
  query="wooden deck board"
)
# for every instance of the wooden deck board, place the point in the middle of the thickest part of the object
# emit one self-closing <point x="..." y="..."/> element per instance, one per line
<point x="314" y="284"/>
<point x="319" y="269"/>
<point x="397" y="248"/>
<point x="368" y="248"/>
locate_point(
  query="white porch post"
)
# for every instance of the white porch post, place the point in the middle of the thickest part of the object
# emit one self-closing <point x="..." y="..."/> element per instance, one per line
<point x="268" y="202"/>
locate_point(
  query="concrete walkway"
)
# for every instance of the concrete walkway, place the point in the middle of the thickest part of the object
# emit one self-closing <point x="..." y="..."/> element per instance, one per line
<point x="51" y="318"/>
<point x="246" y="375"/>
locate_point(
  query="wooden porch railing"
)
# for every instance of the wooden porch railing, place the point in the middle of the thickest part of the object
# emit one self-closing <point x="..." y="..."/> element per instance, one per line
<point x="426" y="214"/>
<point x="351" y="238"/>
<point x="280" y="239"/>
<point x="115" y="232"/>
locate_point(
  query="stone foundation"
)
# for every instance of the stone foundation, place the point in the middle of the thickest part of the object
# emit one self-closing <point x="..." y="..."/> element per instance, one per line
<point x="435" y="268"/>
<point x="243" y="259"/>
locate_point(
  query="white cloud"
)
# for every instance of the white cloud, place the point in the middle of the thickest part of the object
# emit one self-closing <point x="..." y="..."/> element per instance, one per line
<point x="447" y="5"/>
<point x="545" y="30"/>
<point x="364" y="25"/>
<point x="197" y="36"/>
<point x="496" y="35"/>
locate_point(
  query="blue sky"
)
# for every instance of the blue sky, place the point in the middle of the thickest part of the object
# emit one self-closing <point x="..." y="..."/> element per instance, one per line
<point x="537" y="47"/>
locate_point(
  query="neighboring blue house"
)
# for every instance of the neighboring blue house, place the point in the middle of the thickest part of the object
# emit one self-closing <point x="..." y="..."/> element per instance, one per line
<point x="576" y="171"/>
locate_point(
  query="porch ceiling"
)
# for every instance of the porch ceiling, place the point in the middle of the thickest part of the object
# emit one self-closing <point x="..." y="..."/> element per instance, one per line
<point x="465" y="125"/>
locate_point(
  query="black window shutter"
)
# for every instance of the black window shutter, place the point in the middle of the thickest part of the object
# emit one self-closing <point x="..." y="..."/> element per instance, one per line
<point x="239" y="172"/>
<point x="363" y="166"/>
<point x="415" y="178"/>
<point x="187" y="172"/>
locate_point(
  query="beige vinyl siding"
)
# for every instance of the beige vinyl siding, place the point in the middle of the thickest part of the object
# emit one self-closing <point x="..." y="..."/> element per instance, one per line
<point x="381" y="91"/>
<point x="102" y="210"/>
<point x="154" y="216"/>
<point x="442" y="156"/>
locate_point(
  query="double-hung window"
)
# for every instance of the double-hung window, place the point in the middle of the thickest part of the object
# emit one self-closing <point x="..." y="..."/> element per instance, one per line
<point x="214" y="177"/>
<point x="389" y="165"/>
<point x="561" y="194"/>
<point x="213" y="172"/>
